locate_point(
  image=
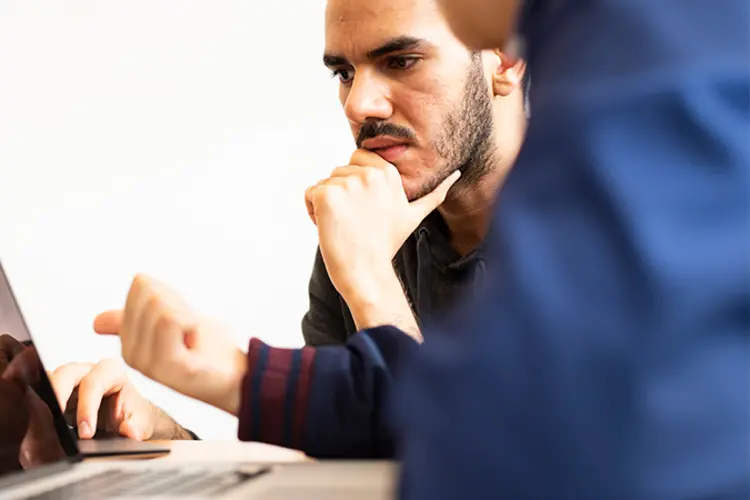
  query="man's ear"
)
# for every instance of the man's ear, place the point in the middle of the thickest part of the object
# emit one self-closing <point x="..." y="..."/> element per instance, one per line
<point x="509" y="74"/>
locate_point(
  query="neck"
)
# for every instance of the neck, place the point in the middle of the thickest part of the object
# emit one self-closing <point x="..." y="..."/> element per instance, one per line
<point x="468" y="207"/>
<point x="467" y="210"/>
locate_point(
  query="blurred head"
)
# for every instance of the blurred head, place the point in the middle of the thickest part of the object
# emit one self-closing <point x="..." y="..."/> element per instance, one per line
<point x="413" y="93"/>
<point x="481" y="24"/>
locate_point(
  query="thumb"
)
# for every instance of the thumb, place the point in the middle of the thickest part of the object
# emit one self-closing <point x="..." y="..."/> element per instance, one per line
<point x="108" y="323"/>
<point x="422" y="207"/>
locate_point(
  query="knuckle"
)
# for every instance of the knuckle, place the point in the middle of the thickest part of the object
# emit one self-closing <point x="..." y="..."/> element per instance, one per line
<point x="392" y="173"/>
<point x="354" y="183"/>
<point x="328" y="194"/>
<point x="336" y="171"/>
<point x="319" y="191"/>
<point x="153" y="305"/>
<point x="371" y="174"/>
<point x="317" y="197"/>
<point x="357" y="157"/>
<point x="110" y="365"/>
<point x="90" y="385"/>
<point x="164" y="322"/>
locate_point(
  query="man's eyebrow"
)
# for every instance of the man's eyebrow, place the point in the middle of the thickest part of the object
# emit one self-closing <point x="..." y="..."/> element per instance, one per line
<point x="332" y="60"/>
<point x="397" y="44"/>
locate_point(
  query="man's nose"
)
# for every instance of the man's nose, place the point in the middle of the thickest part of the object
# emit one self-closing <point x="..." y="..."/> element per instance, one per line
<point x="367" y="99"/>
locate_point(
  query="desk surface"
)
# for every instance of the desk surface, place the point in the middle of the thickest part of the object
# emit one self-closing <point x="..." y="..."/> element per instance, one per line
<point x="228" y="451"/>
<point x="217" y="451"/>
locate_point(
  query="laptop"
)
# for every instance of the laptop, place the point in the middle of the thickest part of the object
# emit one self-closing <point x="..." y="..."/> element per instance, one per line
<point x="41" y="458"/>
<point x="104" y="444"/>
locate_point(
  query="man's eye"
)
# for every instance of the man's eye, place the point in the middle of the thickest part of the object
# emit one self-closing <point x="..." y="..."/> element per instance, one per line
<point x="401" y="62"/>
<point x="344" y="75"/>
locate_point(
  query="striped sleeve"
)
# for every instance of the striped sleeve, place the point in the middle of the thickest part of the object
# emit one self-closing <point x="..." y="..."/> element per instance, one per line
<point x="329" y="402"/>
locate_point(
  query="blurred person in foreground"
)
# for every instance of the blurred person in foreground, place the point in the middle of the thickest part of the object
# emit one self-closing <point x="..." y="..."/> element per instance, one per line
<point x="608" y="357"/>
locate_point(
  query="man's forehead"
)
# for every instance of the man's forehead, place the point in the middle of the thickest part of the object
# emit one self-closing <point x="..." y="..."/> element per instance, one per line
<point x="362" y="25"/>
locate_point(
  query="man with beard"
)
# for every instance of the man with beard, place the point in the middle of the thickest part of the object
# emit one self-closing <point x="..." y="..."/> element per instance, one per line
<point x="423" y="110"/>
<point x="425" y="104"/>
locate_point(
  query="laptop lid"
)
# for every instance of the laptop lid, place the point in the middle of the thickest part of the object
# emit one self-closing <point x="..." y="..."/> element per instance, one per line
<point x="33" y="430"/>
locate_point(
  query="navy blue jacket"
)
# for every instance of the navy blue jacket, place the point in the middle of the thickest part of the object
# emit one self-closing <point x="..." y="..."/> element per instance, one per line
<point x="331" y="401"/>
<point x="608" y="354"/>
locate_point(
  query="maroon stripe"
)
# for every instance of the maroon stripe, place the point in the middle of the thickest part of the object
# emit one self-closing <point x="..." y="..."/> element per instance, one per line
<point x="244" y="429"/>
<point x="302" y="397"/>
<point x="273" y="395"/>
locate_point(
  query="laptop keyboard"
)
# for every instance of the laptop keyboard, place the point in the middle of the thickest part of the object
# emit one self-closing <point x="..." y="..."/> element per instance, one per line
<point x="160" y="482"/>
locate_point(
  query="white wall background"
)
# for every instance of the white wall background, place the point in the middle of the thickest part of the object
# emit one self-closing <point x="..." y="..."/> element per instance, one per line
<point x="171" y="137"/>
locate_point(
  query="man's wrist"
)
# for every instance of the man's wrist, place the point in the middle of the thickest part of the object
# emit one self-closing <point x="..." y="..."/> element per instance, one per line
<point x="372" y="286"/>
<point x="183" y="434"/>
<point x="231" y="399"/>
<point x="175" y="432"/>
<point x="168" y="429"/>
<point x="382" y="302"/>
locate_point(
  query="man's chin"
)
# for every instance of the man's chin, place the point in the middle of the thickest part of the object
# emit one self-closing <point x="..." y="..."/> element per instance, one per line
<point x="414" y="190"/>
<point x="421" y="188"/>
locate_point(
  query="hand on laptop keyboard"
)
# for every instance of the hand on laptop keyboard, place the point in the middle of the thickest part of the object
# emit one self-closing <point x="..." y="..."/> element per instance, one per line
<point x="101" y="397"/>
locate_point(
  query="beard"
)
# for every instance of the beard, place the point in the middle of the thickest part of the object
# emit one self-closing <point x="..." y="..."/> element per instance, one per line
<point x="466" y="142"/>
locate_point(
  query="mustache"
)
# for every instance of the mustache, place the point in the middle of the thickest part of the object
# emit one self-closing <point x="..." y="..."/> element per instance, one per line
<point x="372" y="129"/>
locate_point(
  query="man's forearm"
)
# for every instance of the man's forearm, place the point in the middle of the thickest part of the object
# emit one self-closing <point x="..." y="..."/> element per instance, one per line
<point x="382" y="303"/>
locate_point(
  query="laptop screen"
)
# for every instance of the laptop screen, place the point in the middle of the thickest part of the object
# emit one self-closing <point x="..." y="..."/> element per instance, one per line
<point x="33" y="431"/>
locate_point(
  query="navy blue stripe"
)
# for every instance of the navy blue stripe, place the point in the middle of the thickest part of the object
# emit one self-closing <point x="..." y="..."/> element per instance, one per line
<point x="258" y="373"/>
<point x="376" y="354"/>
<point x="291" y="395"/>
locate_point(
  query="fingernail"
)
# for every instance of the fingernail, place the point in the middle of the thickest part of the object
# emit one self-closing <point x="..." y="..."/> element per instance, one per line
<point x="84" y="429"/>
